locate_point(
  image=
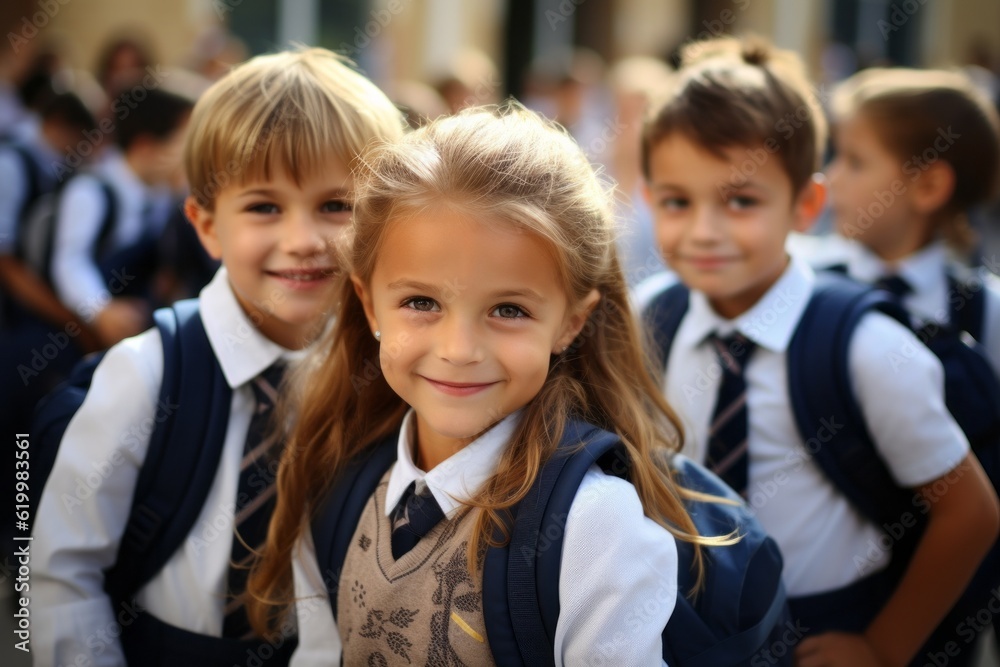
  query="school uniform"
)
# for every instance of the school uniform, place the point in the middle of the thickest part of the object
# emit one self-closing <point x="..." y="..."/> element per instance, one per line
<point x="617" y="584"/>
<point x="22" y="332"/>
<point x="87" y="498"/>
<point x="15" y="183"/>
<point x="926" y="272"/>
<point x="826" y="543"/>
<point x="929" y="300"/>
<point x="141" y="214"/>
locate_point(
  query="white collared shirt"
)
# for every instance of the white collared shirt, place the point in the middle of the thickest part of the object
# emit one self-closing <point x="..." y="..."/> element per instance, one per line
<point x="899" y="385"/>
<point x="88" y="496"/>
<point x="82" y="207"/>
<point x="617" y="585"/>
<point x="927" y="273"/>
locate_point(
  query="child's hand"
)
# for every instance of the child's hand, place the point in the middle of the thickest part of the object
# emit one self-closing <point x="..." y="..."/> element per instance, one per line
<point x="121" y="318"/>
<point x="88" y="339"/>
<point x="832" y="649"/>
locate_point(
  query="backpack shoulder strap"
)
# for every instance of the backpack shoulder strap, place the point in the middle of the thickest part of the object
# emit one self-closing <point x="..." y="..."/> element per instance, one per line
<point x="333" y="526"/>
<point x="32" y="174"/>
<point x="192" y="417"/>
<point x="966" y="305"/>
<point x="662" y="317"/>
<point x="110" y="216"/>
<point x="104" y="232"/>
<point x="826" y="411"/>
<point x="521" y="579"/>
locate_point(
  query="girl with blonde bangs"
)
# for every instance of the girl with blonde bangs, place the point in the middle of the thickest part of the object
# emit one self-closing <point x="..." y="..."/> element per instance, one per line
<point x="481" y="308"/>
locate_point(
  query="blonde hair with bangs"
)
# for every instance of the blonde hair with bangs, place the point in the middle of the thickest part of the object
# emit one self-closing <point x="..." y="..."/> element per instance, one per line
<point x="292" y="110"/>
<point x="506" y="165"/>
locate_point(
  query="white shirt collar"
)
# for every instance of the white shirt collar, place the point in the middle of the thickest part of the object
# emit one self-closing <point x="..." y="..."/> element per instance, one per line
<point x="458" y="477"/>
<point x="770" y="323"/>
<point x="923" y="269"/>
<point x="242" y="350"/>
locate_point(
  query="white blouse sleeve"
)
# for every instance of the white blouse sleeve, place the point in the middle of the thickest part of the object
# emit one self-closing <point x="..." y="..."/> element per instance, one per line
<point x="618" y="582"/>
<point x="85" y="507"/>
<point x="319" y="639"/>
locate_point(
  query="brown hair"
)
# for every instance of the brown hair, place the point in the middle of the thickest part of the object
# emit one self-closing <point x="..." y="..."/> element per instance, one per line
<point x="295" y="109"/>
<point x="506" y="165"/>
<point x="732" y="92"/>
<point x="910" y="109"/>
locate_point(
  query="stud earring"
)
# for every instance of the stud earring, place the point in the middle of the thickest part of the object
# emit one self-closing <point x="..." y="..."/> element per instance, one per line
<point x="378" y="335"/>
<point x="565" y="347"/>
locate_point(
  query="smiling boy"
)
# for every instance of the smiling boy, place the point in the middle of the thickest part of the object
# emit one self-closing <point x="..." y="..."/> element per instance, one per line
<point x="268" y="158"/>
<point x="722" y="229"/>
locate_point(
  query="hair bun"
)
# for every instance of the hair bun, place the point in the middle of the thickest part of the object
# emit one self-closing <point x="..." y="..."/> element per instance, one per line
<point x="756" y="52"/>
<point x="752" y="50"/>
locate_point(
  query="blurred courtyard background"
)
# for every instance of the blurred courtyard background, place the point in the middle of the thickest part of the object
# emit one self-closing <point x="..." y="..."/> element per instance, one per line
<point x="402" y="40"/>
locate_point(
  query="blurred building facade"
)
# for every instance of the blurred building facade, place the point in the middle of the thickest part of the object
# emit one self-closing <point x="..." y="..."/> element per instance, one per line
<point x="418" y="39"/>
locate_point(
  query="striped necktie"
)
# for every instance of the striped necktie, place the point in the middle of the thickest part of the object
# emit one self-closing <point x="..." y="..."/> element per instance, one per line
<point x="255" y="499"/>
<point x="414" y="516"/>
<point x="727" y="435"/>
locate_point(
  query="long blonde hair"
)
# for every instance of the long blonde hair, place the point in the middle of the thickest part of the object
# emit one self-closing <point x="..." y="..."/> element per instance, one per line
<point x="505" y="163"/>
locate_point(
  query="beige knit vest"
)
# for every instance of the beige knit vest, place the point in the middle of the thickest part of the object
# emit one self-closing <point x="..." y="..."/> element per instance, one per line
<point x="424" y="609"/>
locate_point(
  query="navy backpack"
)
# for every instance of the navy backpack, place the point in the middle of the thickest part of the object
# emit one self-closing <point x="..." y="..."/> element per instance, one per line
<point x="36" y="179"/>
<point x="821" y="396"/>
<point x="180" y="465"/>
<point x="739" y="617"/>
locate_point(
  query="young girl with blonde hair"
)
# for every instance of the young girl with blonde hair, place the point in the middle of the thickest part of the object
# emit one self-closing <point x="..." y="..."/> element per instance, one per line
<point x="483" y="311"/>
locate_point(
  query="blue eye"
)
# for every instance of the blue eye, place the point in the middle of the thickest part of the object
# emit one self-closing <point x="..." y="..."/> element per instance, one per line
<point x="421" y="304"/>
<point x="336" y="206"/>
<point x="740" y="203"/>
<point x="673" y="203"/>
<point x="263" y="209"/>
<point x="509" y="311"/>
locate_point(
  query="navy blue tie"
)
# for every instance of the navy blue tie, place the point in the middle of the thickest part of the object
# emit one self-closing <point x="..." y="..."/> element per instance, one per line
<point x="895" y="285"/>
<point x="257" y="489"/>
<point x="414" y="516"/>
<point x="727" y="435"/>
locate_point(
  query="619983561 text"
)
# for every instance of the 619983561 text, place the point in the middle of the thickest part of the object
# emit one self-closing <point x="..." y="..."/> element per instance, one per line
<point x="22" y="542"/>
